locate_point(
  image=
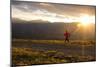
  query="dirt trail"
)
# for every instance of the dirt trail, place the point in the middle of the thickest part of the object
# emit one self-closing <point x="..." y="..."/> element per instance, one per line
<point x="66" y="49"/>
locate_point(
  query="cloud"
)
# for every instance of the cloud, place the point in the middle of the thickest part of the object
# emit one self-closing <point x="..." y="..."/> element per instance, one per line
<point x="45" y="4"/>
<point x="40" y="14"/>
<point x="49" y="11"/>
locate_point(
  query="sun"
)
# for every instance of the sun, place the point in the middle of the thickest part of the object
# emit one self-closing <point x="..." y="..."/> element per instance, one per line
<point x="85" y="20"/>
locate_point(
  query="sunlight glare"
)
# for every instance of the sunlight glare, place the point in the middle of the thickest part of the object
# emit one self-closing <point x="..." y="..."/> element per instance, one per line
<point x="85" y="20"/>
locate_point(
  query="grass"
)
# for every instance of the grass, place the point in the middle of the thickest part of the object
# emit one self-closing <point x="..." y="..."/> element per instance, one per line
<point x="28" y="56"/>
<point x="58" y="42"/>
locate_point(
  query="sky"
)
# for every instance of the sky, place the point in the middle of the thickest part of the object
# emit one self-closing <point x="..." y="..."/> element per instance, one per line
<point x="31" y="11"/>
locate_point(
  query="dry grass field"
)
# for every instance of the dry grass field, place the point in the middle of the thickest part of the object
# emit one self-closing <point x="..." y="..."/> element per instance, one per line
<point x="36" y="52"/>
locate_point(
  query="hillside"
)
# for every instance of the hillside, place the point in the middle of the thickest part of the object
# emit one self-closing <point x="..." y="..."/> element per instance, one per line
<point x="51" y="31"/>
